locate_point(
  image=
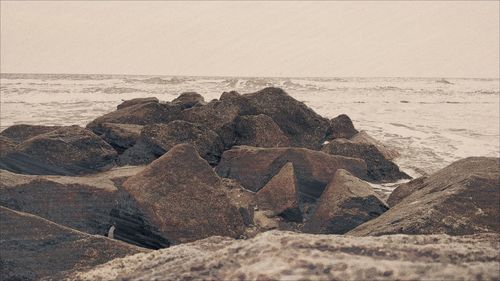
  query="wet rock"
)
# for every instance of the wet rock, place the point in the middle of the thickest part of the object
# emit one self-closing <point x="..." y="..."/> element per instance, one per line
<point x="259" y="130"/>
<point x="155" y="140"/>
<point x="346" y="203"/>
<point x="188" y="100"/>
<point x="120" y="136"/>
<point x="457" y="200"/>
<point x="388" y="152"/>
<point x="67" y="151"/>
<point x="280" y="195"/>
<point x="178" y="197"/>
<point x="301" y="125"/>
<point x="379" y="168"/>
<point x="83" y="203"/>
<point x="22" y="132"/>
<point x="341" y="127"/>
<point x="279" y="255"/>
<point x="32" y="248"/>
<point x="137" y="101"/>
<point x="6" y="145"/>
<point x="138" y="114"/>
<point x="253" y="167"/>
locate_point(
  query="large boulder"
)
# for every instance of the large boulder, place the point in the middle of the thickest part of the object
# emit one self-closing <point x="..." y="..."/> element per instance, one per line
<point x="156" y="139"/>
<point x="32" y="248"/>
<point x="22" y="132"/>
<point x="188" y="100"/>
<point x="67" y="151"/>
<point x="457" y="200"/>
<point x="379" y="168"/>
<point x="6" y="146"/>
<point x="301" y="125"/>
<point x="280" y="195"/>
<point x="253" y="167"/>
<point x="178" y="198"/>
<point x="389" y="153"/>
<point x="137" y="101"/>
<point x="341" y="127"/>
<point x="282" y="255"/>
<point x="139" y="114"/>
<point x="120" y="136"/>
<point x="83" y="203"/>
<point x="259" y="130"/>
<point x="346" y="203"/>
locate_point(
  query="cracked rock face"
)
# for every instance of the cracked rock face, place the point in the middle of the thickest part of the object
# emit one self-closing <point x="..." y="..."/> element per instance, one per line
<point x="278" y="255"/>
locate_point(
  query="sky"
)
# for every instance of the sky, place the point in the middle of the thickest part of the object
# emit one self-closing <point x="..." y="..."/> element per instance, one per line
<point x="294" y="39"/>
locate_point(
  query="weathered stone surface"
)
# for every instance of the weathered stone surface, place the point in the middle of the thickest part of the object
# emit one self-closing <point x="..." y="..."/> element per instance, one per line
<point x="241" y="198"/>
<point x="379" y="168"/>
<point x="389" y="153"/>
<point x="302" y="125"/>
<point x="259" y="130"/>
<point x="156" y="139"/>
<point x="188" y="100"/>
<point x="138" y="114"/>
<point x="120" y="136"/>
<point x="179" y="198"/>
<point x="405" y="189"/>
<point x="83" y="203"/>
<point x="280" y="194"/>
<point x="67" y="151"/>
<point x="457" y="200"/>
<point x="346" y="203"/>
<point x="137" y="101"/>
<point x="254" y="167"/>
<point x="278" y="255"/>
<point x="341" y="127"/>
<point x="229" y="95"/>
<point x="32" y="248"/>
<point x="22" y="132"/>
<point x="6" y="145"/>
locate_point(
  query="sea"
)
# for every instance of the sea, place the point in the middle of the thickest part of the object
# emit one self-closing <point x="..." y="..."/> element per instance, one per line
<point x="430" y="121"/>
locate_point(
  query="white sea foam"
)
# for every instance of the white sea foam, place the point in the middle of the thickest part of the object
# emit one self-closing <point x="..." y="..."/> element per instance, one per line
<point x="431" y="123"/>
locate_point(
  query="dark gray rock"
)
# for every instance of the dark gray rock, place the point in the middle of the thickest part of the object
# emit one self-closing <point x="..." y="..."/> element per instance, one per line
<point x="137" y="101"/>
<point x="120" y="136"/>
<point x="22" y="132"/>
<point x="188" y="100"/>
<point x="341" y="127"/>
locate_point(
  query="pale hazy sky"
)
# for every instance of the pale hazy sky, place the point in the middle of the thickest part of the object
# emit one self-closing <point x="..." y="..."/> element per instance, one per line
<point x="418" y="39"/>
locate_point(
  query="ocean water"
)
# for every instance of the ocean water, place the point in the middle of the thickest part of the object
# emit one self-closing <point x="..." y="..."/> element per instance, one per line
<point x="431" y="121"/>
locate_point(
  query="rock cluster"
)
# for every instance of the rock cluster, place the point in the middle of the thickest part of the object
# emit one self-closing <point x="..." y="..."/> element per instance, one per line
<point x="158" y="174"/>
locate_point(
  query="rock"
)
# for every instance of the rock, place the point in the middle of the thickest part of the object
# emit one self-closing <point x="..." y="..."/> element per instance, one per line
<point x="405" y="189"/>
<point x="83" y="203"/>
<point x="156" y="139"/>
<point x="67" y="151"/>
<point x="302" y="125"/>
<point x="138" y="114"/>
<point x="254" y="167"/>
<point x="263" y="222"/>
<point x="32" y="248"/>
<point x="22" y="132"/>
<point x="241" y="198"/>
<point x="6" y="145"/>
<point x="457" y="200"/>
<point x="137" y="101"/>
<point x="379" y="168"/>
<point x="346" y="203"/>
<point x="389" y="153"/>
<point x="280" y="195"/>
<point x="259" y="130"/>
<point x="229" y="95"/>
<point x="179" y="198"/>
<point x="279" y="255"/>
<point x="341" y="127"/>
<point x="120" y="136"/>
<point x="188" y="100"/>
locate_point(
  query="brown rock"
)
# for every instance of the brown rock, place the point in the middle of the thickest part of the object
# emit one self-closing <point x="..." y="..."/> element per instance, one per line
<point x="259" y="130"/>
<point x="280" y="194"/>
<point x="32" y="248"/>
<point x="137" y="101"/>
<point x="156" y="139"/>
<point x="120" y="136"/>
<point x="405" y="189"/>
<point x="188" y="100"/>
<point x="6" y="145"/>
<point x="379" y="168"/>
<point x="67" y="151"/>
<point x="241" y="198"/>
<point x="180" y="198"/>
<point x="254" y="167"/>
<point x="346" y="203"/>
<point x="457" y="200"/>
<point x="22" y="132"/>
<point x="341" y="127"/>
<point x="389" y="153"/>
